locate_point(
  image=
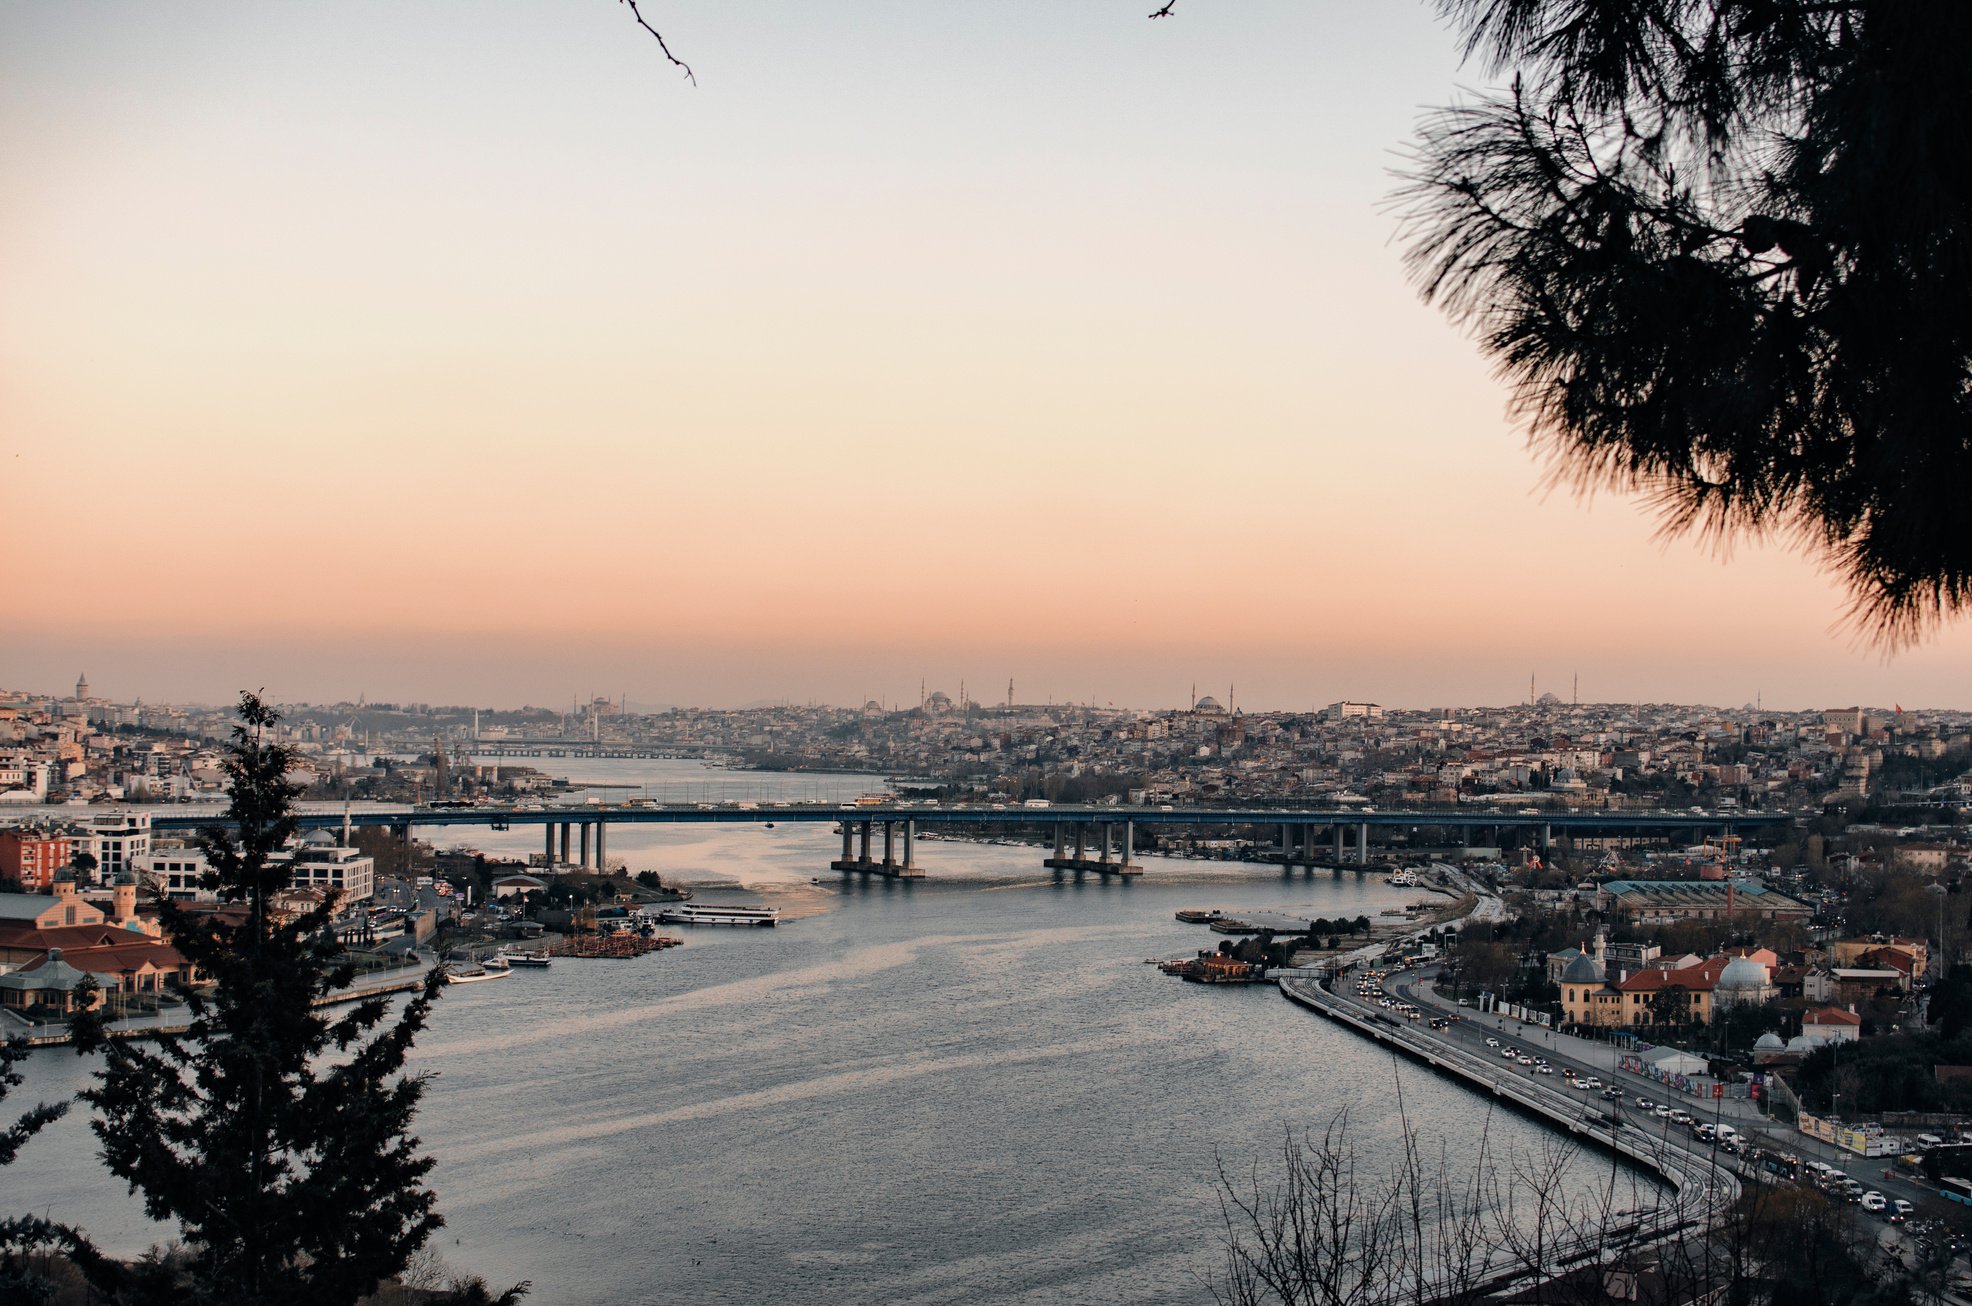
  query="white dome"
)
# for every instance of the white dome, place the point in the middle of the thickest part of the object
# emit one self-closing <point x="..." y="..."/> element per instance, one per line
<point x="1768" y="1042"/>
<point x="1799" y="1043"/>
<point x="1743" y="973"/>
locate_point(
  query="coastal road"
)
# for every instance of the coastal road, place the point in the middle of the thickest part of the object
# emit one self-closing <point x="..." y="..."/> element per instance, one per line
<point x="1587" y="1057"/>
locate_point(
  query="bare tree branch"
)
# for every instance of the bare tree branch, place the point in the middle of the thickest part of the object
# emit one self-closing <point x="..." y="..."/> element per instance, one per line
<point x="638" y="15"/>
<point x="1164" y="11"/>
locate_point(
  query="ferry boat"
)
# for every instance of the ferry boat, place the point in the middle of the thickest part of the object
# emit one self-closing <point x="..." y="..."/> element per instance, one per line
<point x="1405" y="876"/>
<point x="696" y="913"/>
<point x="538" y="960"/>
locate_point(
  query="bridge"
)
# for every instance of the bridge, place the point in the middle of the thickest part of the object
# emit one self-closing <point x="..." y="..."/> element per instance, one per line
<point x="1085" y="838"/>
<point x="587" y="748"/>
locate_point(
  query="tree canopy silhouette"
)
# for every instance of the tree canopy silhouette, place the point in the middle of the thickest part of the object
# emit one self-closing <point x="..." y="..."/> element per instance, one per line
<point x="1719" y="249"/>
<point x="275" y="1134"/>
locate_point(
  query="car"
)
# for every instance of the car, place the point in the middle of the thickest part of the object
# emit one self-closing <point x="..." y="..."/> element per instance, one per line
<point x="1526" y="1061"/>
<point x="1874" y="1202"/>
<point x="1645" y="1104"/>
<point x="1593" y="1082"/>
<point x="1662" y="1112"/>
<point x="1492" y="1042"/>
<point x="1900" y="1210"/>
<point x="1542" y="1070"/>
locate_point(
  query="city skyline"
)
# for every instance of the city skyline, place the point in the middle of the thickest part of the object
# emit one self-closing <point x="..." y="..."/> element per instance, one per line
<point x="493" y="355"/>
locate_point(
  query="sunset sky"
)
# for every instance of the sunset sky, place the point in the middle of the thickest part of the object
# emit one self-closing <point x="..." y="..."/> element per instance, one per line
<point x="461" y="351"/>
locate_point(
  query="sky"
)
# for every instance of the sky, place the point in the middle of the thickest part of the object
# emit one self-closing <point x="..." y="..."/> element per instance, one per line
<point x="461" y="351"/>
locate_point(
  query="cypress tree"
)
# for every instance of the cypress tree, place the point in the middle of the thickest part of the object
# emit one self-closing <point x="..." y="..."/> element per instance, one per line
<point x="273" y="1131"/>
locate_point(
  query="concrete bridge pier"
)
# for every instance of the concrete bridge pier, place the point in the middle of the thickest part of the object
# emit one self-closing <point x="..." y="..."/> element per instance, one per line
<point x="863" y="832"/>
<point x="1286" y="844"/>
<point x="564" y="843"/>
<point x="602" y="855"/>
<point x="889" y="846"/>
<point x="584" y="863"/>
<point x="1362" y="843"/>
<point x="1103" y="827"/>
<point x="1338" y="845"/>
<point x="1126" y="866"/>
<point x="548" y="842"/>
<point x="909" y="870"/>
<point x="1310" y="845"/>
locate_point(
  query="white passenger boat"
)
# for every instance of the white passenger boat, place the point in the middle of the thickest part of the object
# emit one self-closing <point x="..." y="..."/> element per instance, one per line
<point x="697" y="913"/>
<point x="467" y="971"/>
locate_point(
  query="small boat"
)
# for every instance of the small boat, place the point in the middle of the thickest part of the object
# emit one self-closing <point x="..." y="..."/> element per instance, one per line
<point x="534" y="960"/>
<point x="467" y="971"/>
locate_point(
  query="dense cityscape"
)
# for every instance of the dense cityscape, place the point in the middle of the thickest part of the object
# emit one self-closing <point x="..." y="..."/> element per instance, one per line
<point x="1564" y="755"/>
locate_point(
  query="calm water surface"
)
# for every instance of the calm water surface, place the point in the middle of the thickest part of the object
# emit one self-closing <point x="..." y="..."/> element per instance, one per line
<point x="966" y="1089"/>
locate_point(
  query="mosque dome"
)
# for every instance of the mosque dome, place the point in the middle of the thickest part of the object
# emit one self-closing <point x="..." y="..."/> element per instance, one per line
<point x="1769" y="1042"/>
<point x="1582" y="970"/>
<point x="1207" y="704"/>
<point x="1743" y="973"/>
<point x="1799" y="1043"/>
<point x="318" y="839"/>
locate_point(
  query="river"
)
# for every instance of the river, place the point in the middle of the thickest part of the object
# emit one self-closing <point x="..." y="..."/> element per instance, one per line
<point x="966" y="1089"/>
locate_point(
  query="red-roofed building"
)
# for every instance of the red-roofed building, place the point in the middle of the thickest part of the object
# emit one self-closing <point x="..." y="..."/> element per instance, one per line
<point x="1830" y="1025"/>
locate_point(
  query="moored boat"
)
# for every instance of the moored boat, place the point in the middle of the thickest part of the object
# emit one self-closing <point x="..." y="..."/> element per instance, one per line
<point x="696" y="913"/>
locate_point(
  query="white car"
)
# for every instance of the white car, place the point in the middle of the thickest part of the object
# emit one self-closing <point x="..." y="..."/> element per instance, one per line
<point x="1874" y="1202"/>
<point x="1492" y="1042"/>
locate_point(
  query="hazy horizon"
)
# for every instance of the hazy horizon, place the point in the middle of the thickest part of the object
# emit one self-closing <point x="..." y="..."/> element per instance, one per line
<point x="463" y="352"/>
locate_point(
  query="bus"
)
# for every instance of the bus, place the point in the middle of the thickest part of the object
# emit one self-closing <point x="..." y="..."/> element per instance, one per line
<point x="1954" y="1189"/>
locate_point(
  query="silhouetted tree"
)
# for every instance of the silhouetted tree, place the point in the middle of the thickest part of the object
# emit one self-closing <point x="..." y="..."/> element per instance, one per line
<point x="1720" y="249"/>
<point x="276" y="1135"/>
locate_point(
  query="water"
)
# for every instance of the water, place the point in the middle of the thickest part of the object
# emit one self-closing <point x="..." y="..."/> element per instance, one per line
<point x="968" y="1089"/>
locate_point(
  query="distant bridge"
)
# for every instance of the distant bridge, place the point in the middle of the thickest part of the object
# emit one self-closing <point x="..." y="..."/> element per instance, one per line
<point x="517" y="748"/>
<point x="1083" y="835"/>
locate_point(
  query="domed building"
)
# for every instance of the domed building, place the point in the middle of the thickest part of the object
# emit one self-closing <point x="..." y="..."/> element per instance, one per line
<point x="1208" y="706"/>
<point x="1742" y="981"/>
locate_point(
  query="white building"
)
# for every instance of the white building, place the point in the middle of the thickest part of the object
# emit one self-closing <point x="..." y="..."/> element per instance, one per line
<point x="1830" y="1025"/>
<point x="175" y="872"/>
<point x="321" y="863"/>
<point x="116" y="840"/>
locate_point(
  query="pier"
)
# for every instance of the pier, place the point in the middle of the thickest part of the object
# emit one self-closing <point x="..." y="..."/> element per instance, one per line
<point x="892" y="866"/>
